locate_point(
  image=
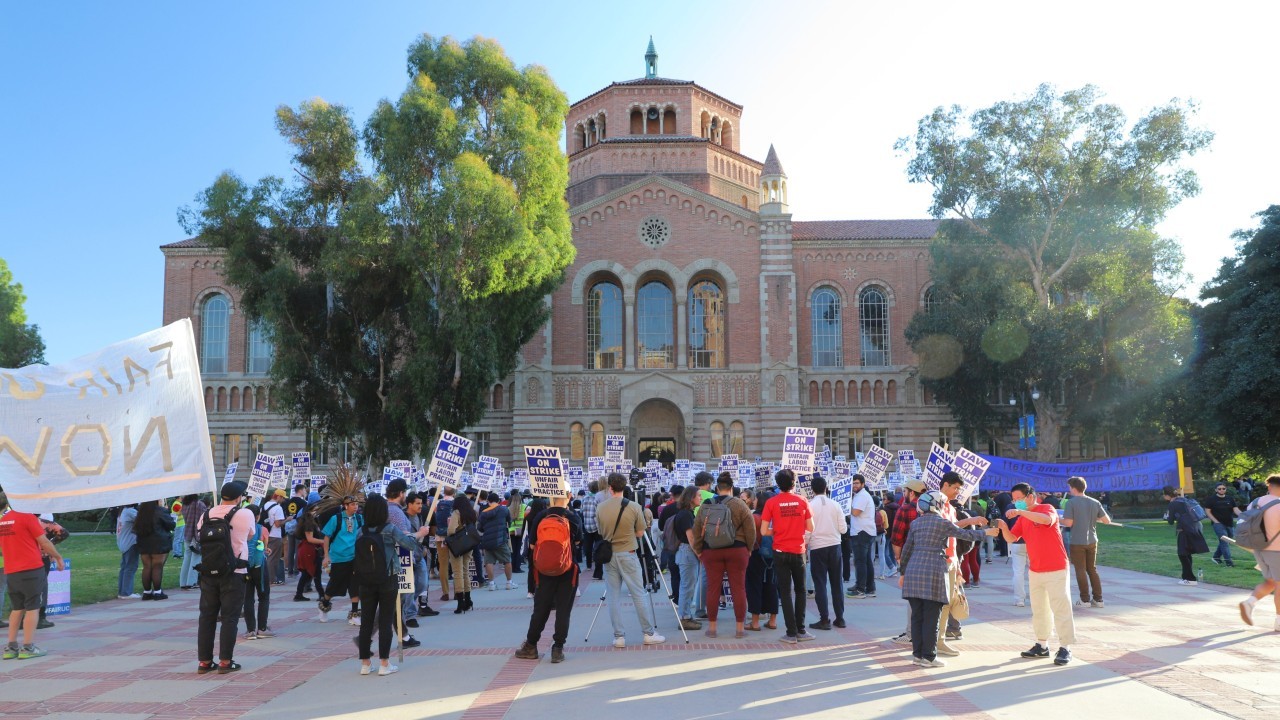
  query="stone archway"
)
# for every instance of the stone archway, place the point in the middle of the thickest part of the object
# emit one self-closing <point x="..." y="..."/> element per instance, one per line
<point x="657" y="430"/>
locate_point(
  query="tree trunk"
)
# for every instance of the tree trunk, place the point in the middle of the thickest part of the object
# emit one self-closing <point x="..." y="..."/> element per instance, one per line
<point x="1048" y="428"/>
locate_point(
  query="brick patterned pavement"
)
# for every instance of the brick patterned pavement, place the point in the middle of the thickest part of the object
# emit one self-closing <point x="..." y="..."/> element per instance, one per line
<point x="1156" y="649"/>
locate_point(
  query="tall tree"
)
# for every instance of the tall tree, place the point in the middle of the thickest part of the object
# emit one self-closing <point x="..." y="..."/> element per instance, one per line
<point x="20" y="342"/>
<point x="1050" y="275"/>
<point x="397" y="295"/>
<point x="1238" y="367"/>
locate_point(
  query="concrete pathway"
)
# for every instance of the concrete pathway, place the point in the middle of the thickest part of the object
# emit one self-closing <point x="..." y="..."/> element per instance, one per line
<point x="1158" y="650"/>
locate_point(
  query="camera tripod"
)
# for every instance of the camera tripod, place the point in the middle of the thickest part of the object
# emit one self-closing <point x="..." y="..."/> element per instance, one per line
<point x="653" y="613"/>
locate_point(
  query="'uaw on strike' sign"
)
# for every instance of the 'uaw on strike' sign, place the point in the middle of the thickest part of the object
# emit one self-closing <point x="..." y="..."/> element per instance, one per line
<point x="546" y="471"/>
<point x="798" y="449"/>
<point x="447" y="463"/>
<point x="119" y="426"/>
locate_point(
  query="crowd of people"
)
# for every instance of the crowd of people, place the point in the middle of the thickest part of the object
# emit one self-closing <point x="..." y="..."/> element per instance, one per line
<point x="762" y="554"/>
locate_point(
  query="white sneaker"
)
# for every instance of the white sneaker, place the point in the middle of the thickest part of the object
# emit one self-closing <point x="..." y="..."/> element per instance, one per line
<point x="576" y="593"/>
<point x="510" y="585"/>
<point x="354" y="621"/>
<point x="1246" y="610"/>
<point x="1277" y="627"/>
<point x="654" y="639"/>
<point x="1097" y="604"/>
<point x="529" y="596"/>
<point x="365" y="669"/>
<point x="1081" y="604"/>
<point x="324" y="617"/>
<point x="1188" y="582"/>
<point x="619" y="642"/>
<point x="387" y="669"/>
<point x="1020" y="603"/>
<point x="919" y="661"/>
<point x="134" y="596"/>
<point x="934" y="663"/>
<point x="493" y="586"/>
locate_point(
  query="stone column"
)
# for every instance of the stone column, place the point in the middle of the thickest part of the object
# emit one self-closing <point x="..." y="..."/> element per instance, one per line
<point x="682" y="340"/>
<point x="629" y="324"/>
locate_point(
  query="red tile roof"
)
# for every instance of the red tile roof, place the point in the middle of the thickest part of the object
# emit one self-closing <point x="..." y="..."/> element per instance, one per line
<point x="864" y="229"/>
<point x="195" y="242"/>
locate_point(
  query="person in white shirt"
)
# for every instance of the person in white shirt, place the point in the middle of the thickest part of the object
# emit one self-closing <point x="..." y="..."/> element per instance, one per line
<point x="273" y="512"/>
<point x="824" y="554"/>
<point x="862" y="522"/>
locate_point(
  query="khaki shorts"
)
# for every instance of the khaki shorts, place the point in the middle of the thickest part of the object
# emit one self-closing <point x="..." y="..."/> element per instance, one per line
<point x="1268" y="563"/>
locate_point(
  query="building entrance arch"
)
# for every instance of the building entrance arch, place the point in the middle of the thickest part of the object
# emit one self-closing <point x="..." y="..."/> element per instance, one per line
<point x="658" y="429"/>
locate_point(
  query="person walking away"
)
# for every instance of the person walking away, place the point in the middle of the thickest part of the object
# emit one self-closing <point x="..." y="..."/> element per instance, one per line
<point x="862" y="527"/>
<point x="1037" y="524"/>
<point x="552" y="534"/>
<point x="463" y="515"/>
<point x="376" y="568"/>
<point x="1082" y="515"/>
<point x="829" y="526"/>
<point x="1189" y="532"/>
<point x="723" y="535"/>
<point x="495" y="531"/>
<point x="224" y="565"/>
<point x="294" y="508"/>
<point x="273" y="517"/>
<point x="439" y="520"/>
<point x="621" y="523"/>
<point x="154" y="528"/>
<point x="787" y="519"/>
<point x="24" y="546"/>
<point x="761" y="581"/>
<point x="127" y="543"/>
<point x="1269" y="556"/>
<point x="339" y="535"/>
<point x="681" y="524"/>
<point x="925" y="573"/>
<point x="308" y="560"/>
<point x="1222" y="510"/>
<point x="193" y="508"/>
<point x="257" y="592"/>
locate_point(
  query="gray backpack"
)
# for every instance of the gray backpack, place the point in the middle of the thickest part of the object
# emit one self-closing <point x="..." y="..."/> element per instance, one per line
<point x="1250" y="532"/>
<point x="719" y="530"/>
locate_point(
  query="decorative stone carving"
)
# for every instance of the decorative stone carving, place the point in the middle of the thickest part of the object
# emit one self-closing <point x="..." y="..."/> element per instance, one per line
<point x="533" y="392"/>
<point x="779" y="389"/>
<point x="585" y="392"/>
<point x="726" y="390"/>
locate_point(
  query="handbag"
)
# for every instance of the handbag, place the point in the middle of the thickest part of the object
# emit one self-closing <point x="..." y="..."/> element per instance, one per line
<point x="604" y="549"/>
<point x="464" y="540"/>
<point x="959" y="605"/>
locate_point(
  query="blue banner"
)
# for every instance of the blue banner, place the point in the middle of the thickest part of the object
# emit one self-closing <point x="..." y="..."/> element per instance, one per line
<point x="1150" y="471"/>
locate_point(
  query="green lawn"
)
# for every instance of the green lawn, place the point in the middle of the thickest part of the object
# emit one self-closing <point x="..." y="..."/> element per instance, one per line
<point x="1153" y="549"/>
<point x="95" y="566"/>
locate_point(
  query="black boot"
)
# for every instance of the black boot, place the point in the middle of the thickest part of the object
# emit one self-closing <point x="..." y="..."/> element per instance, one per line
<point x="470" y="604"/>
<point x="462" y="603"/>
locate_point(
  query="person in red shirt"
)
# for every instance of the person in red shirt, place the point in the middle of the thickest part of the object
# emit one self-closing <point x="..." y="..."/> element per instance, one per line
<point x="786" y="518"/>
<point x="1037" y="524"/>
<point x="23" y="544"/>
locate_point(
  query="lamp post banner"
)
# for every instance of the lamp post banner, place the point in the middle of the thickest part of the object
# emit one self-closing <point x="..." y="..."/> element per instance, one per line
<point x="1149" y="471"/>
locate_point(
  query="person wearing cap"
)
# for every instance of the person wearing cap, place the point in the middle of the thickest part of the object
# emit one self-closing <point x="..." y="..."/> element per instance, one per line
<point x="925" y="581"/>
<point x="902" y="519"/>
<point x="222" y="598"/>
<point x="273" y="518"/>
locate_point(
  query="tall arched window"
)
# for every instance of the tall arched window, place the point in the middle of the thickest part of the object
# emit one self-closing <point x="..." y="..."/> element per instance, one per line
<point x="655" y="337"/>
<point x="604" y="327"/>
<point x="873" y="320"/>
<point x="577" y="442"/>
<point x="706" y="325"/>
<point x="260" y="349"/>
<point x="931" y="300"/>
<point x="597" y="439"/>
<point x="213" y="331"/>
<point x="825" y="322"/>
<point x="737" y="438"/>
<point x="717" y="439"/>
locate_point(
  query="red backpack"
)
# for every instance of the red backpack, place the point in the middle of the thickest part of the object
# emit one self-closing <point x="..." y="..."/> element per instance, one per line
<point x="553" y="552"/>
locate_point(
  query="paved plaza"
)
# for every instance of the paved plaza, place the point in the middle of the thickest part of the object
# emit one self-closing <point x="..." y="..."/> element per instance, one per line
<point x="1158" y="650"/>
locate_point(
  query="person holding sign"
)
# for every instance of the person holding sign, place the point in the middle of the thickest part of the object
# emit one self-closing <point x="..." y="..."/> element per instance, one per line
<point x="621" y="524"/>
<point x="787" y="519"/>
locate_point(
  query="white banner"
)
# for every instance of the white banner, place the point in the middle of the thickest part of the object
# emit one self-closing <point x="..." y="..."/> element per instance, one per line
<point x="119" y="426"/>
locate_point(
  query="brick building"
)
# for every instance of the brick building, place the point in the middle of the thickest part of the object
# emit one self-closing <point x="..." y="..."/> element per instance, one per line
<point x="699" y="318"/>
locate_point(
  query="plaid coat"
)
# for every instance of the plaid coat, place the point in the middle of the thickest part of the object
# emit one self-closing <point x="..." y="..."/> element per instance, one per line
<point x="924" y="564"/>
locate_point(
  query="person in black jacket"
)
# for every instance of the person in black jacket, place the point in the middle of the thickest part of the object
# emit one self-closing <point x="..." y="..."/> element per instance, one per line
<point x="154" y="527"/>
<point x="1222" y="510"/>
<point x="553" y="591"/>
<point x="1190" y="536"/>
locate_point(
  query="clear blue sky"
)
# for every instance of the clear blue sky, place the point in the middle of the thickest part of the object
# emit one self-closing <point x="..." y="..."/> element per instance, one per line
<point x="117" y="114"/>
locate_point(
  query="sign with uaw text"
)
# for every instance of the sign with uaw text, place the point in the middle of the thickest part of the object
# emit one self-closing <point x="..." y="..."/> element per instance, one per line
<point x="119" y="426"/>
<point x="799" y="447"/>
<point x="449" y="459"/>
<point x="546" y="471"/>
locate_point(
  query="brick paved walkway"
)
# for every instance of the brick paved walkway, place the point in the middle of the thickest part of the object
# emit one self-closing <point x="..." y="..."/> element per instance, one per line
<point x="1156" y="650"/>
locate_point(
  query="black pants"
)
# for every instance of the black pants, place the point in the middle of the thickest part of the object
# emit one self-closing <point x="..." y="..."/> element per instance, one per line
<point x="221" y="600"/>
<point x="554" y="592"/>
<point x="924" y="627"/>
<point x="863" y="567"/>
<point x="673" y="567"/>
<point x="1186" y="567"/>
<point x="378" y="605"/>
<point x="846" y="555"/>
<point x="824" y="564"/>
<point x="259" y="589"/>
<point x="762" y="586"/>
<point x="516" y="555"/>
<point x="589" y="540"/>
<point x="305" y="579"/>
<point x="790" y="569"/>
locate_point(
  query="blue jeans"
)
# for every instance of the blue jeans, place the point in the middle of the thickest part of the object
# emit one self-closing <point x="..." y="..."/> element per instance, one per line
<point x="824" y="566"/>
<point x="625" y="568"/>
<point x="669" y="562"/>
<point x="866" y="581"/>
<point x="1224" y="548"/>
<point x="128" y="570"/>
<point x="188" y="576"/>
<point x="688" y="564"/>
<point x="885" y="564"/>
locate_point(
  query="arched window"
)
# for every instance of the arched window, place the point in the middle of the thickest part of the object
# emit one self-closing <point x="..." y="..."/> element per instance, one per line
<point x="706" y="325"/>
<point x="604" y="327"/>
<point x="931" y="300"/>
<point x="717" y="439"/>
<point x="213" y="335"/>
<point x="737" y="438"/>
<point x="497" y="396"/>
<point x="577" y="442"/>
<point x="828" y="343"/>
<point x="260" y="349"/>
<point x="597" y="439"/>
<point x="655" y="336"/>
<point x="873" y="320"/>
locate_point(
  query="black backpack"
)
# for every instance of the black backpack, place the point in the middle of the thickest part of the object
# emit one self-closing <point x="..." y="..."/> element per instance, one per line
<point x="217" y="556"/>
<point x="370" y="564"/>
